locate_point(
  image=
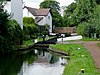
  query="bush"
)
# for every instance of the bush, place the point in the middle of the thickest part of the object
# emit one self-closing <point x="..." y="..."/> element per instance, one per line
<point x="30" y="31"/>
<point x="28" y="20"/>
<point x="30" y="28"/>
<point x="10" y="32"/>
<point x="85" y="29"/>
<point x="13" y="37"/>
<point x="14" y="32"/>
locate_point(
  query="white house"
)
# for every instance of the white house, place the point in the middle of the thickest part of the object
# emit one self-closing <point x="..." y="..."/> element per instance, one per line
<point x="41" y="16"/>
<point x="15" y="7"/>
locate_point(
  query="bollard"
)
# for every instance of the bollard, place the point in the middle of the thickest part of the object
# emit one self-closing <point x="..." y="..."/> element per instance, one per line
<point x="82" y="70"/>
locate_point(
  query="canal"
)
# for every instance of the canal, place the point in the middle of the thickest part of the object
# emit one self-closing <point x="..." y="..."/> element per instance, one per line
<point x="37" y="62"/>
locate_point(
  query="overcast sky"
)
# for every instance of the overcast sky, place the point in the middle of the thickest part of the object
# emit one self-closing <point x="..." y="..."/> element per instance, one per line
<point x="36" y="3"/>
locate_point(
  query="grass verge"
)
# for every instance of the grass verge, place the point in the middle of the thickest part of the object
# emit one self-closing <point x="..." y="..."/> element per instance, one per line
<point x="98" y="44"/>
<point x="28" y="42"/>
<point x="77" y="62"/>
<point x="90" y="39"/>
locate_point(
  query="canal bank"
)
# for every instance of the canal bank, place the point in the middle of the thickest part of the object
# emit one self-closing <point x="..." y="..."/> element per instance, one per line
<point x="80" y="59"/>
<point x="35" y="62"/>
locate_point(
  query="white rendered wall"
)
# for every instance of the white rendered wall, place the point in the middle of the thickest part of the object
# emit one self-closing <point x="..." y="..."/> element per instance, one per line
<point x="41" y="23"/>
<point x="17" y="11"/>
<point x="48" y="21"/>
<point x="8" y="6"/>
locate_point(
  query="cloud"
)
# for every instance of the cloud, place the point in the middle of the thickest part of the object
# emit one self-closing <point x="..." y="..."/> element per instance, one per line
<point x="36" y="3"/>
<point x="65" y="2"/>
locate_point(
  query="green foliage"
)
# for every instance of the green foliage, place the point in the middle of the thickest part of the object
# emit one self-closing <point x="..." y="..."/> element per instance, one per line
<point x="28" y="42"/>
<point x="3" y="20"/>
<point x="84" y="10"/>
<point x="30" y="29"/>
<point x="90" y="39"/>
<point x="28" y="20"/>
<point x="14" y="32"/>
<point x="85" y="15"/>
<point x="77" y="62"/>
<point x="98" y="1"/>
<point x="70" y="9"/>
<point x="54" y="5"/>
<point x="85" y="29"/>
<point x="96" y="19"/>
<point x="68" y="19"/>
<point x="10" y="32"/>
<point x="12" y="38"/>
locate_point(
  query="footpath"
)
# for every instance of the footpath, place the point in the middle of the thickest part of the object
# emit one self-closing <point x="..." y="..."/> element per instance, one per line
<point x="91" y="46"/>
<point x="94" y="51"/>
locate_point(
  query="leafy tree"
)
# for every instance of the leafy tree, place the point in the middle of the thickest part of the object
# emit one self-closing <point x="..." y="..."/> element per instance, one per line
<point x="3" y="20"/>
<point x="30" y="28"/>
<point x="98" y="1"/>
<point x="28" y="20"/>
<point x="84" y="10"/>
<point x="69" y="9"/>
<point x="54" y="5"/>
<point x="92" y="27"/>
<point x="68" y="19"/>
<point x="85" y="29"/>
<point x="10" y="32"/>
<point x="96" y="20"/>
<point x="55" y="9"/>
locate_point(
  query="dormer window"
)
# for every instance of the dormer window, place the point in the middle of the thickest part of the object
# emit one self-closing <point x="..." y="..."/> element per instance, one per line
<point x="48" y="17"/>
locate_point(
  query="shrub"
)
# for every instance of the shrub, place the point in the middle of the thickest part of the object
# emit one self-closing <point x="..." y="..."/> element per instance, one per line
<point x="30" y="28"/>
<point x="28" y="20"/>
<point x="12" y="38"/>
<point x="85" y="29"/>
<point x="10" y="32"/>
<point x="14" y="32"/>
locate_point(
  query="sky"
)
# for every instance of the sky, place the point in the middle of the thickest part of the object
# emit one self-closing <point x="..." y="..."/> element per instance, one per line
<point x="36" y="3"/>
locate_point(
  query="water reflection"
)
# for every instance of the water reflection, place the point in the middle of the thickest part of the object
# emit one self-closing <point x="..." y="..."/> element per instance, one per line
<point x="33" y="63"/>
<point x="45" y="64"/>
<point x="10" y="64"/>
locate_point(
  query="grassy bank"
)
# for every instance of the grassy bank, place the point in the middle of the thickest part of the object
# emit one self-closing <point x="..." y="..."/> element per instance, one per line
<point x="98" y="44"/>
<point x="77" y="62"/>
<point x="90" y="39"/>
<point x="31" y="41"/>
<point x="28" y="42"/>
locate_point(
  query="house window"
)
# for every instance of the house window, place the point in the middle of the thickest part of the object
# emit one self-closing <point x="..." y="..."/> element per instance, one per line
<point x="48" y="17"/>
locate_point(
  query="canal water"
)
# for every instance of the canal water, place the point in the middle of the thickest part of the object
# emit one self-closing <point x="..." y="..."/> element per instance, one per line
<point x="37" y="62"/>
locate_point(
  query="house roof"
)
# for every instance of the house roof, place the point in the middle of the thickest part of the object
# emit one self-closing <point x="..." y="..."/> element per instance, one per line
<point x="38" y="12"/>
<point x="37" y="19"/>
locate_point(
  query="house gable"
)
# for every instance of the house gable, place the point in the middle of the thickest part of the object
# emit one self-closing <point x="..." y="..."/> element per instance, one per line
<point x="42" y="16"/>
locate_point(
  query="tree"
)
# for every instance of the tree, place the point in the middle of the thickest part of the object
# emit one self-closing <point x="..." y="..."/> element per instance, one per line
<point x="91" y="27"/>
<point x="30" y="28"/>
<point x="3" y="19"/>
<point x="55" y="9"/>
<point x="69" y="9"/>
<point x="84" y="10"/>
<point x="98" y="1"/>
<point x="96" y="20"/>
<point x="52" y="4"/>
<point x="10" y="32"/>
<point x="68" y="19"/>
